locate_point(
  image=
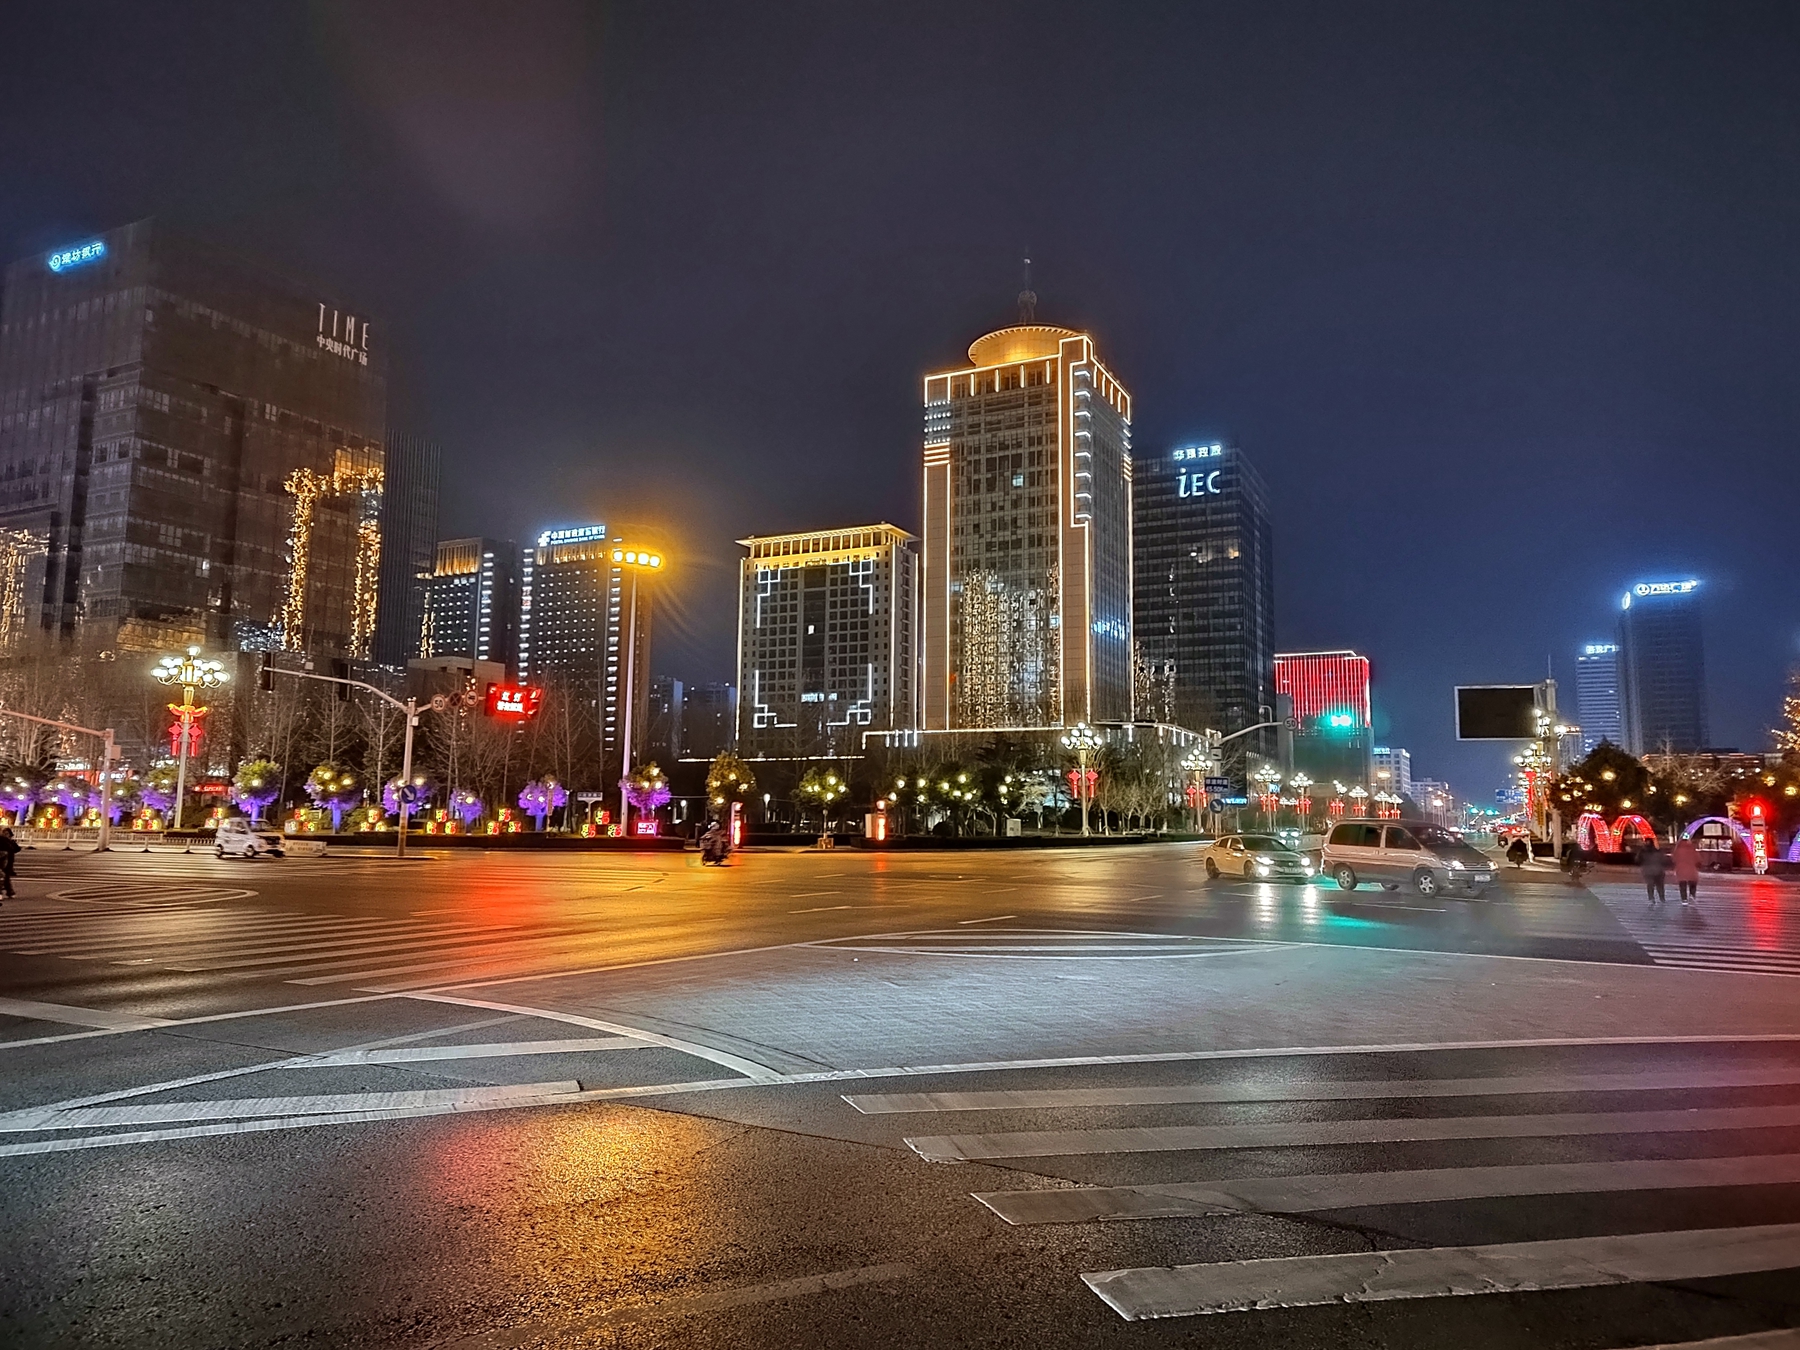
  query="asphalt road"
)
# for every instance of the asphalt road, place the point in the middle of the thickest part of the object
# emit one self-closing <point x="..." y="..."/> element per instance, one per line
<point x="1023" y="1099"/>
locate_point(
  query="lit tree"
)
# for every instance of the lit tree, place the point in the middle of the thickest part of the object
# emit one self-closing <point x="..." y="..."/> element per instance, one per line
<point x="647" y="789"/>
<point x="256" y="785"/>
<point x="729" y="780"/>
<point x="824" y="789"/>
<point x="540" y="797"/>
<point x="466" y="807"/>
<point x="422" y="787"/>
<point x="1787" y="736"/>
<point x="70" y="793"/>
<point x="158" y="789"/>
<point x="19" y="788"/>
<point x="336" y="789"/>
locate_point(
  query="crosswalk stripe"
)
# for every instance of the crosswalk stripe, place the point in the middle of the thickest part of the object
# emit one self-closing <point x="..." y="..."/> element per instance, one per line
<point x="322" y="941"/>
<point x="328" y="954"/>
<point x="101" y="947"/>
<point x="1321" y="1090"/>
<point x="1282" y="1134"/>
<point x="1434" y="1272"/>
<point x="513" y="951"/>
<point x="161" y="1113"/>
<point x="78" y="1017"/>
<point x="1355" y="1190"/>
<point x="422" y="1054"/>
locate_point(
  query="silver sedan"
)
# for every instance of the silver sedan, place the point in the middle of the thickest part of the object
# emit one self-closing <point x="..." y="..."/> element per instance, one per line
<point x="1255" y="857"/>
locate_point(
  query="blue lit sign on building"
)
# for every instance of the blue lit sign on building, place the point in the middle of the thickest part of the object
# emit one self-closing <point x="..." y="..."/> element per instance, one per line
<point x="64" y="258"/>
<point x="1202" y="480"/>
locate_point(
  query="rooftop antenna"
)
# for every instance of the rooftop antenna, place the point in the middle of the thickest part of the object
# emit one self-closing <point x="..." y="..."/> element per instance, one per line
<point x="1028" y="298"/>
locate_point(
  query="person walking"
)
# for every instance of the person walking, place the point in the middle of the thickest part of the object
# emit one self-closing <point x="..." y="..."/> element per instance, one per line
<point x="9" y="853"/>
<point x="1686" y="858"/>
<point x="1653" y="866"/>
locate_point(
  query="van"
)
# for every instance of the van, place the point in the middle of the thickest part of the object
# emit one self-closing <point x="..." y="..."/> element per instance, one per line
<point x="240" y="837"/>
<point x="1428" y="858"/>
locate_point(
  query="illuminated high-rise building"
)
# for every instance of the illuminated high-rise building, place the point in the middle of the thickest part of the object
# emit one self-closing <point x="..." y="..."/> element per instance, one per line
<point x="1662" y="668"/>
<point x="472" y="602"/>
<point x="1027" y="560"/>
<point x="1333" y="739"/>
<point x="585" y="623"/>
<point x="825" y="640"/>
<point x="196" y="444"/>
<point x="1597" y="695"/>
<point x="1204" y="597"/>
<point x="409" y="521"/>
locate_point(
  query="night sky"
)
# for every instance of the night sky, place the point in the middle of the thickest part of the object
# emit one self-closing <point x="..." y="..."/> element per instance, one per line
<point x="1502" y="299"/>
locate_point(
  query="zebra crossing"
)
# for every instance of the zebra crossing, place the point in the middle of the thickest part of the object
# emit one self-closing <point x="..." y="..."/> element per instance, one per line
<point x="1747" y="926"/>
<point x="189" y="931"/>
<point x="1723" y="1131"/>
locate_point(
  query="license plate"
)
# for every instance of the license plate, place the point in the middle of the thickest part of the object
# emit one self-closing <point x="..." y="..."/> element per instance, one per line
<point x="1483" y="876"/>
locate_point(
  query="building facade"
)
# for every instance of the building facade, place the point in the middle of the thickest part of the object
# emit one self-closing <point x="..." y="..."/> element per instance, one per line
<point x="1662" y="667"/>
<point x="1393" y="769"/>
<point x="709" y="714"/>
<point x="1329" y="693"/>
<point x="471" y="602"/>
<point x="662" y="736"/>
<point x="1204" y="591"/>
<point x="409" y="519"/>
<point x="826" y="626"/>
<point x="1597" y="705"/>
<point x="195" y="446"/>
<point x="1027" y="554"/>
<point x="585" y="623"/>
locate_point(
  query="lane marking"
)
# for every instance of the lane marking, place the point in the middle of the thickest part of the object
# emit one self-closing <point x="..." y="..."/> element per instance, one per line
<point x="996" y="919"/>
<point x="78" y="1017"/>
<point x="424" y="1054"/>
<point x="821" y="909"/>
<point x="246" y="1108"/>
<point x="383" y="948"/>
<point x="1286" y="1134"/>
<point x="1781" y="1339"/>
<point x="1324" y="1090"/>
<point x="1356" y="1190"/>
<point x="1436" y="1272"/>
<point x="559" y="1331"/>
<point x="749" y="1068"/>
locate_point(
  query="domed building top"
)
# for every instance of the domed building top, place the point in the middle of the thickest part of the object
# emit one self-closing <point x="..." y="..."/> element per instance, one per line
<point x="1021" y="343"/>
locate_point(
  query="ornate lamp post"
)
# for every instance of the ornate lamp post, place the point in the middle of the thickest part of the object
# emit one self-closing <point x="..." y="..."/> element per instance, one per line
<point x="1358" y="795"/>
<point x="1300" y="783"/>
<point x="1196" y="764"/>
<point x="1084" y="741"/>
<point x="191" y="673"/>
<point x="1270" y="778"/>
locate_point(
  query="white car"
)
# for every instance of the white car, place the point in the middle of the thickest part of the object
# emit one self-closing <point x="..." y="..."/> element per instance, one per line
<point x="1255" y="857"/>
<point x="240" y="838"/>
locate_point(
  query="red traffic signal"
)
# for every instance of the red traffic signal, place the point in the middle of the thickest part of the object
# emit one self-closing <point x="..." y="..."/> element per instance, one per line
<point x="516" y="701"/>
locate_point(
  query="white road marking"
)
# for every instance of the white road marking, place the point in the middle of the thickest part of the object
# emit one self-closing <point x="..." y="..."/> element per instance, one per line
<point x="821" y="909"/>
<point x="1355" y="1190"/>
<point x="1435" y="1272"/>
<point x="750" y="1069"/>
<point x="996" y="919"/>
<point x="1784" y="1338"/>
<point x="1287" y="1134"/>
<point x="78" y="1017"/>
<point x="248" y="1108"/>
<point x="438" y="943"/>
<point x="1321" y="1090"/>
<point x="424" y="1054"/>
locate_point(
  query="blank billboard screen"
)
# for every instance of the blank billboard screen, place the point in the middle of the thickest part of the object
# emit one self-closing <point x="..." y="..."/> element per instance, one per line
<point x="1496" y="712"/>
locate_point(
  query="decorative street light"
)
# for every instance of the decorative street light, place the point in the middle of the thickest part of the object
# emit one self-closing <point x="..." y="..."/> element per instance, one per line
<point x="630" y="561"/>
<point x="191" y="673"/>
<point x="1358" y="794"/>
<point x="1300" y="783"/>
<point x="1270" y="778"/>
<point x="1084" y="741"/>
<point x="1196" y="764"/>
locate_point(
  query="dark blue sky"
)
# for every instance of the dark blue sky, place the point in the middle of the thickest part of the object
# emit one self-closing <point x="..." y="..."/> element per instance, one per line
<point x="1502" y="299"/>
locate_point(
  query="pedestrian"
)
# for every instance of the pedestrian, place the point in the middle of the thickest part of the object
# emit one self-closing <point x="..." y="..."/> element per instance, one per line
<point x="1686" y="858"/>
<point x="1653" y="865"/>
<point x="9" y="852"/>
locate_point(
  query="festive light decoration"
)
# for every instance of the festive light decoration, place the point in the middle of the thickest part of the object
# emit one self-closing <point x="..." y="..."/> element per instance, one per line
<point x="335" y="789"/>
<point x="17" y="549"/>
<point x="647" y="789"/>
<point x="540" y="797"/>
<point x="256" y="785"/>
<point x="466" y="807"/>
<point x="352" y="475"/>
<point x="191" y="673"/>
<point x="1594" y="835"/>
<point x="422" y="788"/>
<point x="1083" y="740"/>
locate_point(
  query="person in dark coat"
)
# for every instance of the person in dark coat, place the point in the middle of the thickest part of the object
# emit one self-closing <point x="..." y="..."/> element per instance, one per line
<point x="1653" y="866"/>
<point x="9" y="853"/>
<point x="1686" y="858"/>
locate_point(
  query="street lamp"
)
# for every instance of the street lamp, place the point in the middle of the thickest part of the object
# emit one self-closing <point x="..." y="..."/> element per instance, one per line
<point x="1300" y="783"/>
<point x="1358" y="794"/>
<point x="1197" y="763"/>
<point x="191" y="673"/>
<point x="1084" y="741"/>
<point x="630" y="561"/>
<point x="1270" y="778"/>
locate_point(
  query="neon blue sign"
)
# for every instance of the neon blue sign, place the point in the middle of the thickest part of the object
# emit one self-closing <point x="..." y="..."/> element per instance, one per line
<point x="63" y="258"/>
<point x="1198" y="484"/>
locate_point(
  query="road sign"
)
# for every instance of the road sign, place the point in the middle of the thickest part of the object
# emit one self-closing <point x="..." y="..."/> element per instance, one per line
<point x="1218" y="787"/>
<point x="590" y="796"/>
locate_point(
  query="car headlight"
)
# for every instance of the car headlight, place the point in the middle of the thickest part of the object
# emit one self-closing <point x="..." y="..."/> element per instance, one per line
<point x="1261" y="865"/>
<point x="1307" y="864"/>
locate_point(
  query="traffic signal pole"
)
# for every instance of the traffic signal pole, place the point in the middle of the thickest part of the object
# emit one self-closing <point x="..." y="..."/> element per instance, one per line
<point x="410" y="707"/>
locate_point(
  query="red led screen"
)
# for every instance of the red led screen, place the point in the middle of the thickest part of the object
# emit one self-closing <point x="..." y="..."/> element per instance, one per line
<point x="513" y="700"/>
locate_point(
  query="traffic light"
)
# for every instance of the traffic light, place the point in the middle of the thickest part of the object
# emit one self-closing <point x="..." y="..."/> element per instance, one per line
<point x="265" y="674"/>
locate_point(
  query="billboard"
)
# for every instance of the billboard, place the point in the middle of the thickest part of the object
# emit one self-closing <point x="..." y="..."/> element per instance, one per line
<point x="1496" y="712"/>
<point x="513" y="700"/>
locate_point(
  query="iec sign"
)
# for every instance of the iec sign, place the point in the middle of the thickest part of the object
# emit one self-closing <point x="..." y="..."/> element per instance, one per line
<point x="89" y="252"/>
<point x="516" y="701"/>
<point x="1197" y="472"/>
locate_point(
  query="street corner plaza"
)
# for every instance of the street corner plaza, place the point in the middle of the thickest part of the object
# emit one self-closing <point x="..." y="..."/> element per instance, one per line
<point x="1045" y="1098"/>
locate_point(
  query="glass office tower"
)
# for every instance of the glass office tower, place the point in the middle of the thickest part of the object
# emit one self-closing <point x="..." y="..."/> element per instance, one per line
<point x="1205" y="591"/>
<point x="1662" y="667"/>
<point x="195" y="446"/>
<point x="1597" y="695"/>
<point x="1027" y="559"/>
<point x="472" y="602"/>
